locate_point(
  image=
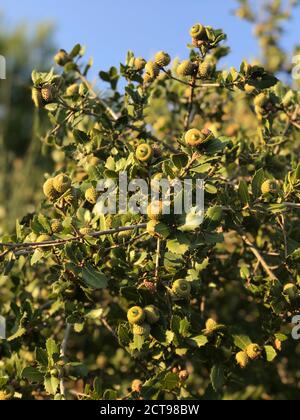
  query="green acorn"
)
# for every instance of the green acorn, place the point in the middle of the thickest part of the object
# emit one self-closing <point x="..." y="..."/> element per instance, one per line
<point x="198" y="32"/>
<point x="214" y="214"/>
<point x="142" y="330"/>
<point x="37" y="97"/>
<point x="136" y="315"/>
<point x="91" y="195"/>
<point x="291" y="290"/>
<point x="144" y="152"/>
<point x="62" y="58"/>
<point x="49" y="190"/>
<point x="181" y="289"/>
<point x="62" y="183"/>
<point x="152" y="69"/>
<point x="253" y="351"/>
<point x="56" y="226"/>
<point x="48" y="93"/>
<point x="269" y="187"/>
<point x="140" y="63"/>
<point x="186" y="68"/>
<point x="242" y="359"/>
<point x="152" y="314"/>
<point x="162" y="59"/>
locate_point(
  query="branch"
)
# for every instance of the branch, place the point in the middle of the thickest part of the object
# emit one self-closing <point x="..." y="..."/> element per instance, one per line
<point x="157" y="262"/>
<point x="259" y="257"/>
<point x="58" y="242"/>
<point x="96" y="96"/>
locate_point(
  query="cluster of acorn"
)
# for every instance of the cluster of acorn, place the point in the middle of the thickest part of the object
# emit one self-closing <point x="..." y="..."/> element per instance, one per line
<point x="204" y="69"/>
<point x="141" y="319"/>
<point x="60" y="188"/>
<point x="153" y="67"/>
<point x="252" y="352"/>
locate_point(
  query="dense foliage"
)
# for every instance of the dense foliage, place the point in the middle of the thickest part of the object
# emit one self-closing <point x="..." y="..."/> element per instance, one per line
<point x="159" y="307"/>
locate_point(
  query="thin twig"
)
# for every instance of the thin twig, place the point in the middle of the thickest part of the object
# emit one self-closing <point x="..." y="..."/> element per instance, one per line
<point x="96" y="96"/>
<point x="63" y="351"/>
<point x="259" y="257"/>
<point x="157" y="262"/>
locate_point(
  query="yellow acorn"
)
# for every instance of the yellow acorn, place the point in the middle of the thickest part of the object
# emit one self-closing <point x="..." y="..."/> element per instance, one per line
<point x="186" y="68"/>
<point x="136" y="315"/>
<point x="206" y="69"/>
<point x="47" y="93"/>
<point x="253" y="351"/>
<point x="181" y="289"/>
<point x="155" y="210"/>
<point x="136" y="386"/>
<point x="162" y="59"/>
<point x="195" y="137"/>
<point x="62" y="58"/>
<point x="198" y="32"/>
<point x="91" y="195"/>
<point x="242" y="359"/>
<point x="49" y="190"/>
<point x="152" y="69"/>
<point x="269" y="187"/>
<point x="152" y="314"/>
<point x="144" y="152"/>
<point x="37" y="97"/>
<point x="62" y="183"/>
<point x="85" y="231"/>
<point x="56" y="226"/>
<point x="140" y="63"/>
<point x="142" y="330"/>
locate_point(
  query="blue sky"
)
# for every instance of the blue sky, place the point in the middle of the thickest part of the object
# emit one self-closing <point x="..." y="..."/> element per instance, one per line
<point x="109" y="28"/>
